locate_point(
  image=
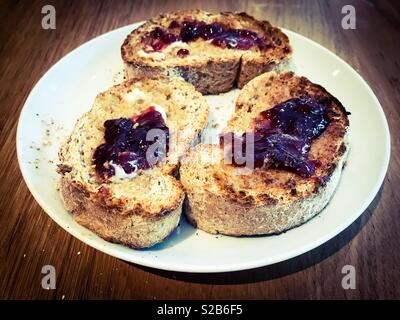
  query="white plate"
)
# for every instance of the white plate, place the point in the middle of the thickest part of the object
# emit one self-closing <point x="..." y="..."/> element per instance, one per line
<point x="68" y="89"/>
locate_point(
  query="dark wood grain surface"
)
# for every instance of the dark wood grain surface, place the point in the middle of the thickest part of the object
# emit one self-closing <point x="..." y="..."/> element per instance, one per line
<point x="29" y="239"/>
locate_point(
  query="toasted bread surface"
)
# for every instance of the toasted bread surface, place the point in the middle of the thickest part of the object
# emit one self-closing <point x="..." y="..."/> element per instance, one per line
<point x="144" y="209"/>
<point x="229" y="200"/>
<point x="209" y="68"/>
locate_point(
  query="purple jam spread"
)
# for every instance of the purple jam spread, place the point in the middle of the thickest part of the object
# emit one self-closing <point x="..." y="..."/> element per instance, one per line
<point x="283" y="135"/>
<point x="158" y="39"/>
<point x="188" y="31"/>
<point x="125" y="143"/>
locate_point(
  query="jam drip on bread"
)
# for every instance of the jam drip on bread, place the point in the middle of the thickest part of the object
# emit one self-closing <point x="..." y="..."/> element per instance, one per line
<point x="126" y="143"/>
<point x="282" y="136"/>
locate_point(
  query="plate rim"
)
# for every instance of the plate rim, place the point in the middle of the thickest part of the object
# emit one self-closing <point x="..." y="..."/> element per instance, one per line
<point x="255" y="263"/>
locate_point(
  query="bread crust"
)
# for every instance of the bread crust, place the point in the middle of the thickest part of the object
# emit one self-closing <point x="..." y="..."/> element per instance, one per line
<point x="129" y="227"/>
<point x="221" y="199"/>
<point x="211" y="73"/>
<point x="219" y="213"/>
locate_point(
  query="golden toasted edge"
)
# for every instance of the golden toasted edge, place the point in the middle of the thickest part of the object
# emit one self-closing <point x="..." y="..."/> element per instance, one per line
<point x="219" y="214"/>
<point x="129" y="228"/>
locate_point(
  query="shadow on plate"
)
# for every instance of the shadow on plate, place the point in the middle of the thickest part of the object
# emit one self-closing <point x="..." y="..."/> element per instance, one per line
<point x="183" y="231"/>
<point x="280" y="269"/>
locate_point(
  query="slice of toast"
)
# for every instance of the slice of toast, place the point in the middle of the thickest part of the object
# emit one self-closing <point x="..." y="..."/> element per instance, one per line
<point x="143" y="209"/>
<point x="222" y="198"/>
<point x="212" y="65"/>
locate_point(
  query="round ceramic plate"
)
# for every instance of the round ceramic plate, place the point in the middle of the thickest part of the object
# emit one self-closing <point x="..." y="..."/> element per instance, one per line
<point x="68" y="89"/>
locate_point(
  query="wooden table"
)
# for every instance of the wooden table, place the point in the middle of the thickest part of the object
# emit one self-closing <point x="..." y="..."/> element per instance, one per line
<point x="30" y="239"/>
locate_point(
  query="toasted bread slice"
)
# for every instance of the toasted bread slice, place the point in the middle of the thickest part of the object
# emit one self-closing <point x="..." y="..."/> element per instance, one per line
<point x="142" y="210"/>
<point x="222" y="198"/>
<point x="210" y="68"/>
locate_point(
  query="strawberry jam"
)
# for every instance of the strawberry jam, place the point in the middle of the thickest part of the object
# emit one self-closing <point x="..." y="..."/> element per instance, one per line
<point x="283" y="135"/>
<point x="127" y="144"/>
<point x="188" y="31"/>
